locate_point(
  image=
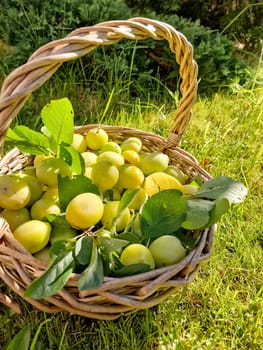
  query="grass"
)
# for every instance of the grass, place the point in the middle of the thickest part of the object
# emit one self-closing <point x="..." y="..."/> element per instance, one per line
<point x="222" y="308"/>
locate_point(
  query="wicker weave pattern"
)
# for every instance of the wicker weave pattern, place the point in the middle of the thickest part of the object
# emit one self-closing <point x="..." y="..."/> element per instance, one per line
<point x="116" y="296"/>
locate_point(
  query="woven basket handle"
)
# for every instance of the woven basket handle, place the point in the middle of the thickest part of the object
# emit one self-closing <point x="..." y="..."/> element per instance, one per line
<point x="18" y="86"/>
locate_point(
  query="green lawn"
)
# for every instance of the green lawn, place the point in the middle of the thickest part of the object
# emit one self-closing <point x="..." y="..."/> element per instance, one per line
<point x="223" y="307"/>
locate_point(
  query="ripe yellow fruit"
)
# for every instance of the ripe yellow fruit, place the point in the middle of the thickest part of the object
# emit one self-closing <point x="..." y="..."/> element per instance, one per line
<point x="96" y="138"/>
<point x="15" y="217"/>
<point x="130" y="176"/>
<point x="167" y="250"/>
<point x="38" y="158"/>
<point x="160" y="181"/>
<point x="79" y="143"/>
<point x="90" y="158"/>
<point x="48" y="169"/>
<point x="138" y="200"/>
<point x="113" y="157"/>
<point x="44" y="207"/>
<point x="110" y="214"/>
<point x="84" y="210"/>
<point x="33" y="235"/>
<point x="29" y="170"/>
<point x="35" y="186"/>
<point x="131" y="157"/>
<point x="137" y="253"/>
<point x="88" y="171"/>
<point x="131" y="143"/>
<point x="104" y="174"/>
<point x="14" y="192"/>
<point x="153" y="162"/>
<point x="136" y="226"/>
<point x="51" y="194"/>
<point x="111" y="146"/>
<point x="177" y="173"/>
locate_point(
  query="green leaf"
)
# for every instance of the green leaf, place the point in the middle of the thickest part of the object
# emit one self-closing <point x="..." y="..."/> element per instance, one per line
<point x="111" y="244"/>
<point x="26" y="147"/>
<point x="70" y="188"/>
<point x="53" y="279"/>
<point x="32" y="136"/>
<point x="73" y="158"/>
<point x="59" y="247"/>
<point x="58" y="117"/>
<point x="221" y="207"/>
<point x="130" y="270"/>
<point x="45" y="132"/>
<point x="51" y="140"/>
<point x="27" y="140"/>
<point x="113" y="260"/>
<point x="11" y="135"/>
<point x="188" y="241"/>
<point x="93" y="275"/>
<point x="163" y="213"/>
<point x="197" y="213"/>
<point x="222" y="187"/>
<point x="126" y="198"/>
<point x="61" y="229"/>
<point x="21" y="340"/>
<point x="83" y="250"/>
<point x="130" y="237"/>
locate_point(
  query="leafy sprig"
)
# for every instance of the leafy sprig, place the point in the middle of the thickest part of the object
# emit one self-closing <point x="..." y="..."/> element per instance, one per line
<point x="55" y="137"/>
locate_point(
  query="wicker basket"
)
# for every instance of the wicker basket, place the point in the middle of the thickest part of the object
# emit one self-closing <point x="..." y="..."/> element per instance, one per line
<point x="116" y="296"/>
